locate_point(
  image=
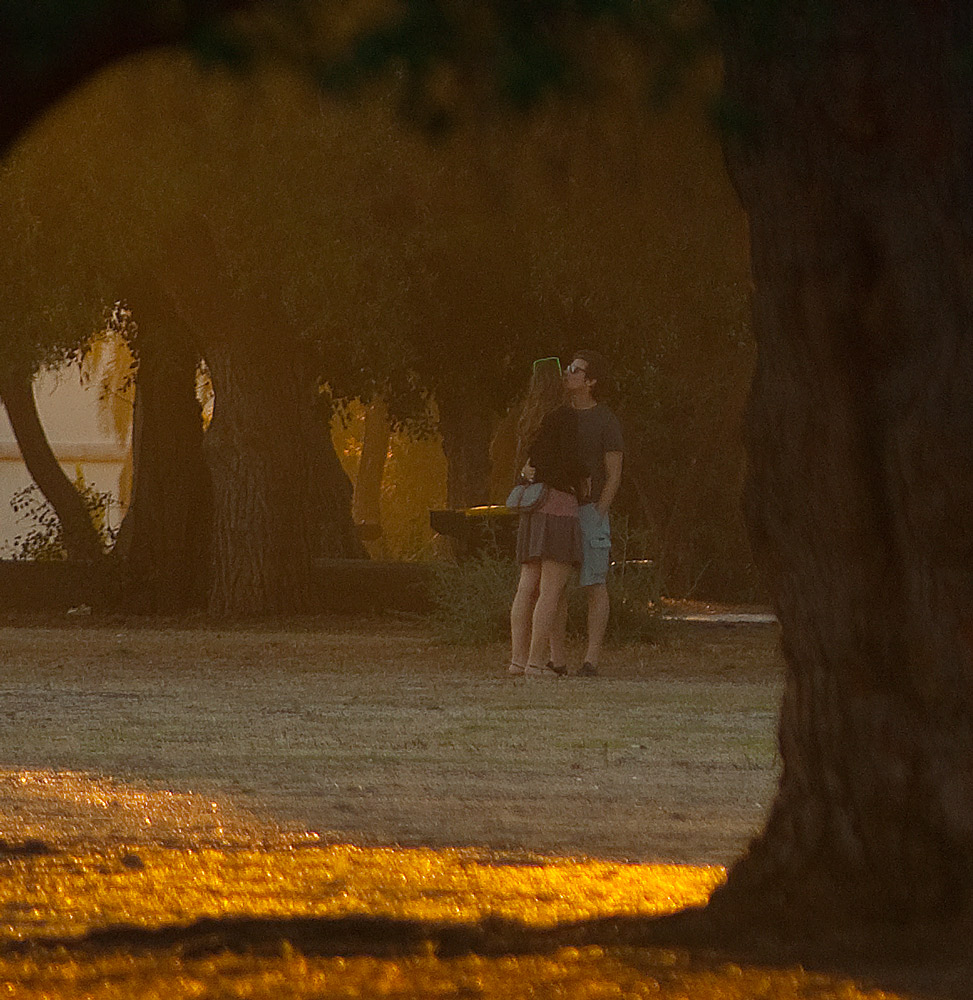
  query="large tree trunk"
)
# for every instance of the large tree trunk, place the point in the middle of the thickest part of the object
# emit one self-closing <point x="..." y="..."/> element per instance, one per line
<point x="330" y="488"/>
<point x="81" y="540"/>
<point x="855" y="172"/>
<point x="165" y="537"/>
<point x="467" y="429"/>
<point x="258" y="455"/>
<point x="367" y="499"/>
<point x="503" y="454"/>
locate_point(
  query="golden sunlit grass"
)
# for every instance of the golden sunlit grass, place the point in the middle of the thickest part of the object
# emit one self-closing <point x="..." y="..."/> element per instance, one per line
<point x="571" y="974"/>
<point x="675" y="738"/>
<point x="60" y="895"/>
<point x="65" y="895"/>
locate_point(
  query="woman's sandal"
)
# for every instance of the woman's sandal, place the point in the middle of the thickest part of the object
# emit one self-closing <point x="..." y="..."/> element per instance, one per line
<point x="548" y="672"/>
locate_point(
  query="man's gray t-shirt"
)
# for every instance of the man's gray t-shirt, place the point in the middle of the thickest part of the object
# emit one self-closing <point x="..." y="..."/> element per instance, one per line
<point x="598" y="432"/>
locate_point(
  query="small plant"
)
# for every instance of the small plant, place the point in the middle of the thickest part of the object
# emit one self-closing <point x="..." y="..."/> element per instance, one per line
<point x="634" y="585"/>
<point x="633" y="590"/>
<point x="44" y="539"/>
<point x="472" y="599"/>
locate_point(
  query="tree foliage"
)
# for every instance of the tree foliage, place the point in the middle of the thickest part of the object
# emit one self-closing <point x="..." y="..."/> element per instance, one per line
<point x="426" y="271"/>
<point x="42" y="535"/>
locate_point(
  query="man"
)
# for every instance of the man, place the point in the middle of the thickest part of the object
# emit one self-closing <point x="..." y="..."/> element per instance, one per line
<point x="586" y="380"/>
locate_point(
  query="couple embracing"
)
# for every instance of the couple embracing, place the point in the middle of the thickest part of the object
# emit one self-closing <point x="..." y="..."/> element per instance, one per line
<point x="572" y="443"/>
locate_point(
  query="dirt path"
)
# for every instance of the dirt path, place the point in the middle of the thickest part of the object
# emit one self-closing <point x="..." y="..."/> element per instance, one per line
<point x="377" y="735"/>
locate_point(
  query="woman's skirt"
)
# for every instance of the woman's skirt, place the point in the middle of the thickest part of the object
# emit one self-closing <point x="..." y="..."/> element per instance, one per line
<point x="551" y="532"/>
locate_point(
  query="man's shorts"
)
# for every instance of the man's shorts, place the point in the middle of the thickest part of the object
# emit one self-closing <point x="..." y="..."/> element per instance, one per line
<point x="596" y="543"/>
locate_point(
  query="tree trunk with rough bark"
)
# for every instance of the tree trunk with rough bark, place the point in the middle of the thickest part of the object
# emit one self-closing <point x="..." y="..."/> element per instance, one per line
<point x="330" y="488"/>
<point x="164" y="540"/>
<point x="855" y="170"/>
<point x="80" y="537"/>
<point x="263" y="510"/>
<point x="467" y="429"/>
<point x="367" y="499"/>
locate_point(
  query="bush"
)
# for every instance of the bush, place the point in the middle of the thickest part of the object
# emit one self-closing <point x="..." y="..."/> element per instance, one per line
<point x="44" y="539"/>
<point x="633" y="588"/>
<point x="472" y="598"/>
<point x="472" y="601"/>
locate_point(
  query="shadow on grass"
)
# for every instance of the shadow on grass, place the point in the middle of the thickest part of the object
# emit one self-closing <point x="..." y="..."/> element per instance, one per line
<point x="918" y="963"/>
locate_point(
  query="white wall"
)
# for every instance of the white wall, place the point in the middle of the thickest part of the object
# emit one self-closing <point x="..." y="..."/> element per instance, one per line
<point x="69" y="412"/>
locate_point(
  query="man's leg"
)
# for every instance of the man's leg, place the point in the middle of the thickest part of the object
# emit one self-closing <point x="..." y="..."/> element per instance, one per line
<point x="596" y="558"/>
<point x="597" y="622"/>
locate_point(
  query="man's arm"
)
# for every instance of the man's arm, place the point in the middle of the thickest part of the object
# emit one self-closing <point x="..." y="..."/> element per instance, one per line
<point x="613" y="479"/>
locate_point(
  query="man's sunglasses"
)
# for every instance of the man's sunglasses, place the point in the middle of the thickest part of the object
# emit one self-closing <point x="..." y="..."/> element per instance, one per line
<point x="572" y="368"/>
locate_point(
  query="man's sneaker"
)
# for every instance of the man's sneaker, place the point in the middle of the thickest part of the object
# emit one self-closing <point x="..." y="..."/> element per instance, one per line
<point x="560" y="671"/>
<point x="516" y="669"/>
<point x="588" y="670"/>
<point x="548" y="672"/>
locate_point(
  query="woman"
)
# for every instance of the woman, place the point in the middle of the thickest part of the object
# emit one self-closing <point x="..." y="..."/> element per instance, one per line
<point x="548" y="538"/>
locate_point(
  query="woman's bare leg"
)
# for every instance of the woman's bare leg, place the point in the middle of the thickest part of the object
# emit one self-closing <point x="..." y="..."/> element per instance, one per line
<point x="559" y="652"/>
<point x="522" y="610"/>
<point x="554" y="578"/>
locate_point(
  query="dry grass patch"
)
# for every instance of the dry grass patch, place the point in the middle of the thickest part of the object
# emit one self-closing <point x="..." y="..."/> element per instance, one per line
<point x="378" y="734"/>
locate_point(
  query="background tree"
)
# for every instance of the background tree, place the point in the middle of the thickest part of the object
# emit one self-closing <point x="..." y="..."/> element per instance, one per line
<point x="207" y="272"/>
<point x="418" y="271"/>
<point x="27" y="346"/>
<point x="163" y="544"/>
<point x="367" y="496"/>
<point x="50" y="49"/>
<point x="81" y="541"/>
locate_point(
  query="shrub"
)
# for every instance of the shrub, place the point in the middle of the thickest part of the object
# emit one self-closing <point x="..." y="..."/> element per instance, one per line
<point x="44" y="540"/>
<point x="472" y="598"/>
<point x="634" y="592"/>
<point x="472" y="601"/>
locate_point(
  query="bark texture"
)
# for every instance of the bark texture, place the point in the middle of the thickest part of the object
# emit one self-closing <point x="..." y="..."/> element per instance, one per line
<point x="164" y="540"/>
<point x="330" y="489"/>
<point x="853" y="161"/>
<point x="263" y="512"/>
<point x="367" y="500"/>
<point x="81" y="540"/>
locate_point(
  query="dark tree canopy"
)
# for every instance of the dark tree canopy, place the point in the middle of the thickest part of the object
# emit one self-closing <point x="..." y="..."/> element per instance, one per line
<point x="48" y="47"/>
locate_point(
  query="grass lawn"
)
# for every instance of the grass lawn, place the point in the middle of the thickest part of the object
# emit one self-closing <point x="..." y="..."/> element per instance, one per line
<point x="330" y="770"/>
<point x="379" y="735"/>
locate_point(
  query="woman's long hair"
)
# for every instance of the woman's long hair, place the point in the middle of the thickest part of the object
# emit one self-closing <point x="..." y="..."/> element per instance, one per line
<point x="544" y="394"/>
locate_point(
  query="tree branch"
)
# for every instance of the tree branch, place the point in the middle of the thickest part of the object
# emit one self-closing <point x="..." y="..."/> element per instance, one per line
<point x="80" y="538"/>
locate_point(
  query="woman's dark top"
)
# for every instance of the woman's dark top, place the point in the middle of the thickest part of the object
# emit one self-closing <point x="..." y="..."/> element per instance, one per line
<point x="555" y="452"/>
